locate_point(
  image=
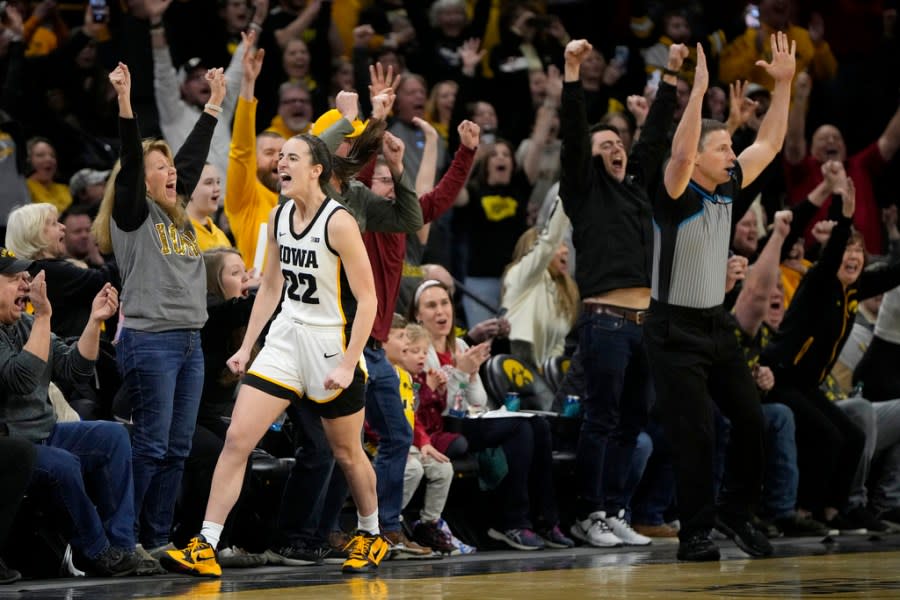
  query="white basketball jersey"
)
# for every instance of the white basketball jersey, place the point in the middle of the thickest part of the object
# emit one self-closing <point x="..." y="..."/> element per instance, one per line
<point x="316" y="291"/>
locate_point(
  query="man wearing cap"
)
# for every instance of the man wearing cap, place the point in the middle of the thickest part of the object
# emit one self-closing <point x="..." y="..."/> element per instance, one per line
<point x="70" y="456"/>
<point x="87" y="185"/>
<point x="181" y="96"/>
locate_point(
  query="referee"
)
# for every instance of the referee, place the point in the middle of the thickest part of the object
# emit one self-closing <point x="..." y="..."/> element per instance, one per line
<point x="694" y="355"/>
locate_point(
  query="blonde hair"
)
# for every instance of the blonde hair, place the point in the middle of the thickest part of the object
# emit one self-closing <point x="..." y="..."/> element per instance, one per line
<point x="101" y="226"/>
<point x="25" y="229"/>
<point x="567" y="297"/>
<point x="415" y="333"/>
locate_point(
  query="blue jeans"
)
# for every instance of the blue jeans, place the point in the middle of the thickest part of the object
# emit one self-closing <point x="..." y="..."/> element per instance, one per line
<point x="384" y="413"/>
<point x="163" y="376"/>
<point x="619" y="392"/>
<point x="95" y="456"/>
<point x="782" y="475"/>
<point x="315" y="491"/>
<point x="642" y="450"/>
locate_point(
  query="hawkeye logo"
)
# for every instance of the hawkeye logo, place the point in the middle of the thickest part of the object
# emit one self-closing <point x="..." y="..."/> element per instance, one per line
<point x="517" y="373"/>
<point x="498" y="208"/>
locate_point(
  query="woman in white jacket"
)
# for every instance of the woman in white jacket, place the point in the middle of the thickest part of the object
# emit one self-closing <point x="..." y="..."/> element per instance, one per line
<point x="540" y="296"/>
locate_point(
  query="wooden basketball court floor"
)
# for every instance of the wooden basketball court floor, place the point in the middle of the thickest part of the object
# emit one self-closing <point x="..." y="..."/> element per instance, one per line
<point x="846" y="567"/>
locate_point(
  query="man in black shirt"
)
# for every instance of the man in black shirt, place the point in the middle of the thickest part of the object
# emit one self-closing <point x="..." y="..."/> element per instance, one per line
<point x="605" y="194"/>
<point x="690" y="337"/>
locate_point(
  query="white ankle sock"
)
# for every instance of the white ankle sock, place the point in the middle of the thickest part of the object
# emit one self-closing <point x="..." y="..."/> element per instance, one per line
<point x="369" y="523"/>
<point x="212" y="532"/>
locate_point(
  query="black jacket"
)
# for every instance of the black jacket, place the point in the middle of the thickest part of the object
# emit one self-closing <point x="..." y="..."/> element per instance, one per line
<point x="821" y="315"/>
<point x="612" y="220"/>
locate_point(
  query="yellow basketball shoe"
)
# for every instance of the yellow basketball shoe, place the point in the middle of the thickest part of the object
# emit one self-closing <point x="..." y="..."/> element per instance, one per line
<point x="366" y="551"/>
<point x="198" y="559"/>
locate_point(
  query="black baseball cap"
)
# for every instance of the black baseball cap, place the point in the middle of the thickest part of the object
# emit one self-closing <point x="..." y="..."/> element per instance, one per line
<point x="10" y="265"/>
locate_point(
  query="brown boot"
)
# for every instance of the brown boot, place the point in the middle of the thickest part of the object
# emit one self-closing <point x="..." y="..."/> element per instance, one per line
<point x="403" y="548"/>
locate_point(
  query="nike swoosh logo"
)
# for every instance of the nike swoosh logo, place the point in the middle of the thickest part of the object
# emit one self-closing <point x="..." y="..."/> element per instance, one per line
<point x="205" y="558"/>
<point x="331" y="355"/>
<point x="281" y="234"/>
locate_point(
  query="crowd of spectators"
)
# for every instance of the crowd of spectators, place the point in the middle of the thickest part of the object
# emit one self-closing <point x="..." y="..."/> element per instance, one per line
<point x="503" y="160"/>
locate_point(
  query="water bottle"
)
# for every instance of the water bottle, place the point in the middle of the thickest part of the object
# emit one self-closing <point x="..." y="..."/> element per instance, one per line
<point x="458" y="405"/>
<point x="279" y="423"/>
<point x="512" y="401"/>
<point x="572" y="406"/>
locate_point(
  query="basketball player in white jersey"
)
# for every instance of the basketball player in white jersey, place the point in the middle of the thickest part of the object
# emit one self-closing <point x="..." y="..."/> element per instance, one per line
<point x="312" y="352"/>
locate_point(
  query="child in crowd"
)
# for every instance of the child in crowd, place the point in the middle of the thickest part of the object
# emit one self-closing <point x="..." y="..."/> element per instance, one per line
<point x="406" y="347"/>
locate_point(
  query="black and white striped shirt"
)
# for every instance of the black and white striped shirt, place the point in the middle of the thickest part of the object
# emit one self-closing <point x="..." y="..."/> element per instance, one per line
<point x="691" y="238"/>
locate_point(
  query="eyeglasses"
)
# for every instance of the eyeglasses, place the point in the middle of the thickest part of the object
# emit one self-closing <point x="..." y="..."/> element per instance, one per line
<point x="295" y="101"/>
<point x="385" y="180"/>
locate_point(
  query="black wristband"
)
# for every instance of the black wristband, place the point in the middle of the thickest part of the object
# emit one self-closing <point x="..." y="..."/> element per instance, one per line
<point x="156" y="26"/>
<point x="668" y="71"/>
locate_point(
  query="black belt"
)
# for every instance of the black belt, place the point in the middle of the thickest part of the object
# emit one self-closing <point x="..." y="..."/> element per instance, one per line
<point x="373" y="344"/>
<point x="629" y="314"/>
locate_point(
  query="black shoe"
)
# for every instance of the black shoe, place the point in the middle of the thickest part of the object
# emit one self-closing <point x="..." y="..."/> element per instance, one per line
<point x="863" y="518"/>
<point x="890" y="516"/>
<point x="747" y="537"/>
<point x="8" y="575"/>
<point x="114" y="562"/>
<point x="766" y="527"/>
<point x="697" y="547"/>
<point x="293" y="556"/>
<point x="330" y="555"/>
<point x="431" y="536"/>
<point x="797" y="526"/>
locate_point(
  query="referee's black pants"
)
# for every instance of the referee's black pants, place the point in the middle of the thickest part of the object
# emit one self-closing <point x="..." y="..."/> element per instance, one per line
<point x="696" y="360"/>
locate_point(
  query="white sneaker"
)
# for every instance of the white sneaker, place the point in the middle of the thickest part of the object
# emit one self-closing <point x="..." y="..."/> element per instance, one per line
<point x="595" y="531"/>
<point x="622" y="530"/>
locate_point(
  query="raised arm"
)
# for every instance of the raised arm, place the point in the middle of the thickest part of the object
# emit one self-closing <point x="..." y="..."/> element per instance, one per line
<point x="192" y="155"/>
<point x="165" y="79"/>
<point x="428" y="166"/>
<point x="441" y="198"/>
<point x="295" y="28"/>
<point x="650" y="147"/>
<point x="575" y="155"/>
<point x="890" y="138"/>
<point x="130" y="203"/>
<point x="543" y="121"/>
<point x="527" y="272"/>
<point x="685" y="144"/>
<point x="751" y="304"/>
<point x="772" y="130"/>
<point x="344" y="236"/>
<point x="240" y="185"/>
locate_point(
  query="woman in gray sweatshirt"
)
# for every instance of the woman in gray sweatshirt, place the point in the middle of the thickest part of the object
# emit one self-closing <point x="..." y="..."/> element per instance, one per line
<point x="163" y="300"/>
